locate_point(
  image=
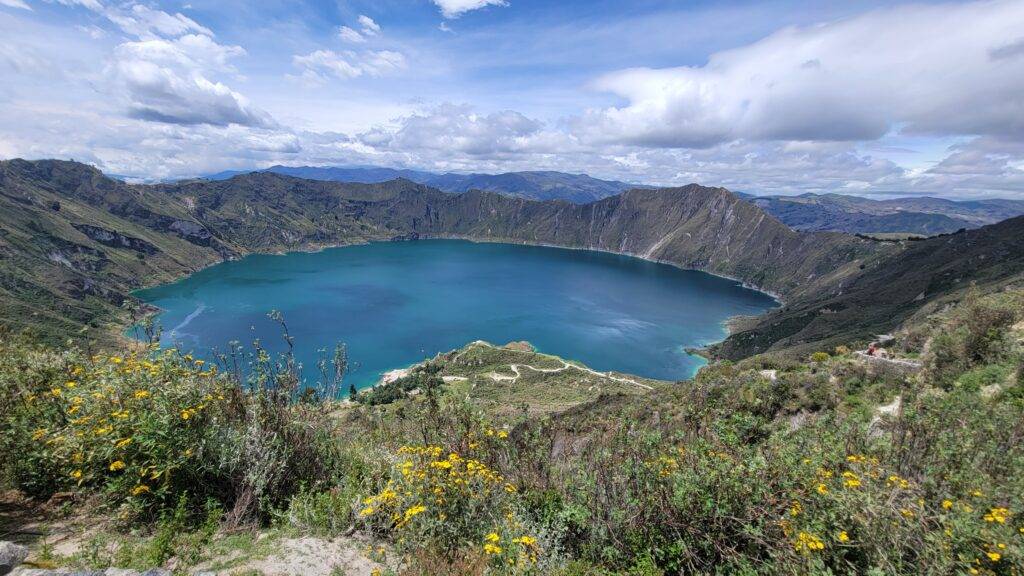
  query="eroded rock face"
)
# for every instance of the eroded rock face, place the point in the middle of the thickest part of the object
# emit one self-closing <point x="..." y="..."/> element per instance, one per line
<point x="191" y="231"/>
<point x="116" y="239"/>
<point x="11" y="555"/>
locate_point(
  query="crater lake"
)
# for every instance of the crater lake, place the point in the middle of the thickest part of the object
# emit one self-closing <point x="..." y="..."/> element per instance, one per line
<point x="397" y="303"/>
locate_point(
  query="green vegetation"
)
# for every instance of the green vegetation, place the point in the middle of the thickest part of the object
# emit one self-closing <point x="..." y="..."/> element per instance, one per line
<point x="828" y="466"/>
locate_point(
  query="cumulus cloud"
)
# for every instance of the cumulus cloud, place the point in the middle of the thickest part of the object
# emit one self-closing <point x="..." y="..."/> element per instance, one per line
<point x="455" y="129"/>
<point x="939" y="69"/>
<point x="161" y="94"/>
<point x="456" y="8"/>
<point x="167" y="75"/>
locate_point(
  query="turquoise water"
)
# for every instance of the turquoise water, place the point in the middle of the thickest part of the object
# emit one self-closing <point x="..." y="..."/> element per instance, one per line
<point x="396" y="303"/>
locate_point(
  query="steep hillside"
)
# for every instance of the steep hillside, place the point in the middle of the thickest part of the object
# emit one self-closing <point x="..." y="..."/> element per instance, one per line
<point x="693" y="227"/>
<point x="924" y="274"/>
<point x="74" y="243"/>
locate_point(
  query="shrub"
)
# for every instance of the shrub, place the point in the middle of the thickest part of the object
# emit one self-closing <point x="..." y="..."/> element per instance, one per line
<point x="146" y="429"/>
<point x="974" y="334"/>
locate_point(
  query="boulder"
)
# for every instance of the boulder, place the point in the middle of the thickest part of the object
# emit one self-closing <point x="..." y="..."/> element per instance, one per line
<point x="11" y="555"/>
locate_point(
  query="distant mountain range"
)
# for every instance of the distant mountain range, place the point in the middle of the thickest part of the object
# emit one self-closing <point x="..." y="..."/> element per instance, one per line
<point x="924" y="216"/>
<point x="537" y="185"/>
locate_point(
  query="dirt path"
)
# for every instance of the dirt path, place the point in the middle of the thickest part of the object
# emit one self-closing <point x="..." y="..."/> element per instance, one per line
<point x="566" y="366"/>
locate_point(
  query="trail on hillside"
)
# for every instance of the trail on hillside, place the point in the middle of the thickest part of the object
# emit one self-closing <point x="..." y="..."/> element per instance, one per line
<point x="566" y="366"/>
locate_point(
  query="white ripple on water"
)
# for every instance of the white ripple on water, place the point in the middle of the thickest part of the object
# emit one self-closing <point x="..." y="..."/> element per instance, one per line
<point x="176" y="331"/>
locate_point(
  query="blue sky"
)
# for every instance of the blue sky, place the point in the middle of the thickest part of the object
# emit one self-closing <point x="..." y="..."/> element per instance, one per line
<point x="763" y="97"/>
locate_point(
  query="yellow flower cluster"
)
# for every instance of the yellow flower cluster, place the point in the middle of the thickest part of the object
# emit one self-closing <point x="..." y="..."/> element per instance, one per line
<point x="665" y="466"/>
<point x="111" y="418"/>
<point x="433" y="492"/>
<point x="806" y="542"/>
<point x="998" y="515"/>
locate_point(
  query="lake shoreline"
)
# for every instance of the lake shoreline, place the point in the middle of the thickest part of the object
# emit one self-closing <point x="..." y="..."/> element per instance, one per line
<point x="697" y="351"/>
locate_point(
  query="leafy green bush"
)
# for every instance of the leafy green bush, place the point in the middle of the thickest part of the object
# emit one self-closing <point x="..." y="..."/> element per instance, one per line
<point x="974" y="334"/>
<point x="145" y="429"/>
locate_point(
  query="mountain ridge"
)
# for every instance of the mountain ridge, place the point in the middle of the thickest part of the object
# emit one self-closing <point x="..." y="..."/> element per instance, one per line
<point x="533" y="184"/>
<point x="80" y="261"/>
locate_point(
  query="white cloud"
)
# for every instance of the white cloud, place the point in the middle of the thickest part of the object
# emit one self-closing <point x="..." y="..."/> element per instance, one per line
<point x="144" y="22"/>
<point x="370" y="28"/>
<point x="94" y="32"/>
<point x="22" y="59"/>
<point x="456" y="8"/>
<point x="90" y="4"/>
<point x="167" y="81"/>
<point x="926" y="69"/>
<point x="319" y="65"/>
<point x="161" y="94"/>
<point x="451" y="129"/>
<point x="349" y="35"/>
<point x="15" y="4"/>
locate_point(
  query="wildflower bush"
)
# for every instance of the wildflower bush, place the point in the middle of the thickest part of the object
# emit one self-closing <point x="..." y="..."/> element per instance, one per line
<point x="134" y="427"/>
<point x="146" y="428"/>
<point x="456" y="506"/>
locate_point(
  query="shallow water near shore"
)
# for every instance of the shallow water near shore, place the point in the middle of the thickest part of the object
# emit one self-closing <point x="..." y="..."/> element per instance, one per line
<point x="396" y="303"/>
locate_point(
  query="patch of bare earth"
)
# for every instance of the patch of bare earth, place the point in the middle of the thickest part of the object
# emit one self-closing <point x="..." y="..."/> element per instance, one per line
<point x="310" y="556"/>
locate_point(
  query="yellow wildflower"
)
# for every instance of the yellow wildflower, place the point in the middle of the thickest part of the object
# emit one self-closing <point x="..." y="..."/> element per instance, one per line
<point x="806" y="542"/>
<point x="491" y="549"/>
<point x="140" y="489"/>
<point x="414" y="511"/>
<point x="822" y="488"/>
<point x="997" y="515"/>
<point x="492" y="537"/>
<point x="77" y="474"/>
<point x="116" y="465"/>
<point x="124" y="442"/>
<point x="994" y="556"/>
<point x="947" y="504"/>
<point x="843" y="536"/>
